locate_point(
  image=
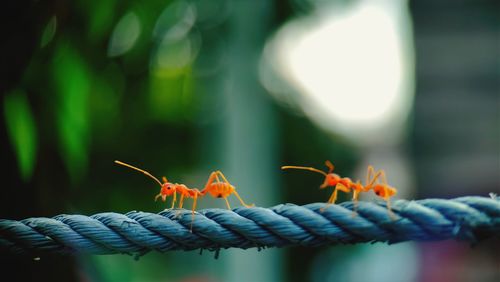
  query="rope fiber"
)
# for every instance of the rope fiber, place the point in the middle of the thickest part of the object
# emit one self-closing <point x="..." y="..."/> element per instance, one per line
<point x="469" y="219"/>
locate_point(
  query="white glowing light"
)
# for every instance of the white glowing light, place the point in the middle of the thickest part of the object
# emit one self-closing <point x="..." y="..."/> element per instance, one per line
<point x="354" y="65"/>
<point x="352" y="68"/>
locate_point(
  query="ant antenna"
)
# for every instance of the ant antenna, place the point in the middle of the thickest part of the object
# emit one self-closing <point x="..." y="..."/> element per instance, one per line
<point x="304" y="168"/>
<point x="140" y="170"/>
<point x="330" y="166"/>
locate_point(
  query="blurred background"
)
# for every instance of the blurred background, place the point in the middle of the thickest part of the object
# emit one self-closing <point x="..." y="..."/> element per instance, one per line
<point x="181" y="88"/>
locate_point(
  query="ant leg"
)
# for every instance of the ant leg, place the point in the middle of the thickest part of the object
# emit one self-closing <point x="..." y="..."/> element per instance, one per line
<point x="386" y="192"/>
<point x="355" y="196"/>
<point x="343" y="188"/>
<point x="234" y="191"/>
<point x="241" y="201"/>
<point x="376" y="175"/>
<point x="181" y="201"/>
<point x="192" y="211"/>
<point x="391" y="213"/>
<point x="388" y="203"/>
<point x="211" y="179"/>
<point x="217" y="180"/>
<point x="223" y="177"/>
<point x="331" y="200"/>
<point x="382" y="175"/>
<point x="369" y="174"/>
<point x="333" y="197"/>
<point x="174" y="199"/>
<point x="356" y="188"/>
<point x="227" y="204"/>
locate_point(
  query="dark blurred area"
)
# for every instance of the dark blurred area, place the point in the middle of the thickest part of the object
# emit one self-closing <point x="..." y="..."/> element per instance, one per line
<point x="182" y="88"/>
<point x="456" y="116"/>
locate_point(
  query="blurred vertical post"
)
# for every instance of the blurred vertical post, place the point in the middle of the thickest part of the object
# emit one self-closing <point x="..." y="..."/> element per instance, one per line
<point x="250" y="130"/>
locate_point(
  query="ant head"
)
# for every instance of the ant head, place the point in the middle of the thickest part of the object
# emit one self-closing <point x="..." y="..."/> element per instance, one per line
<point x="167" y="189"/>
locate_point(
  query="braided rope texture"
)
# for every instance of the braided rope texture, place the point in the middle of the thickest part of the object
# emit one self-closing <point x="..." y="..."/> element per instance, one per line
<point x="468" y="219"/>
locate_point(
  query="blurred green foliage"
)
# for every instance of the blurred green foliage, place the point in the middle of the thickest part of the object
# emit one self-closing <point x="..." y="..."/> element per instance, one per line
<point x="99" y="17"/>
<point x="72" y="80"/>
<point x="49" y="32"/>
<point x="21" y="129"/>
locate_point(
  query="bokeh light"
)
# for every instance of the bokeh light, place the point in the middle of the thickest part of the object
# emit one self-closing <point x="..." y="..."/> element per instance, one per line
<point x="352" y="68"/>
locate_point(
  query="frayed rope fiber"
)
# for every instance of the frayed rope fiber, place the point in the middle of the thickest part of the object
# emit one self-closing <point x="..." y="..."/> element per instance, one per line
<point x="468" y="219"/>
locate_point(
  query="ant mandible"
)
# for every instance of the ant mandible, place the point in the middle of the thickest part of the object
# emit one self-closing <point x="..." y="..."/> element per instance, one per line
<point x="221" y="189"/>
<point x="170" y="189"/>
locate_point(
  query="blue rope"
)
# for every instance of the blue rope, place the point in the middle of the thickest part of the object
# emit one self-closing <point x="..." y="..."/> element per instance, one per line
<point x="468" y="219"/>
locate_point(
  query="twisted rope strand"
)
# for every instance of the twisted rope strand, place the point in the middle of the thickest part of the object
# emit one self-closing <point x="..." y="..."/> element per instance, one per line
<point x="467" y="218"/>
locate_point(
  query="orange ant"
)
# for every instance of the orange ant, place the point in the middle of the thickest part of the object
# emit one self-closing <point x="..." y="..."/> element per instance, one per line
<point x="382" y="190"/>
<point x="170" y="189"/>
<point x="221" y="189"/>
<point x="345" y="184"/>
